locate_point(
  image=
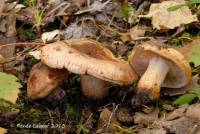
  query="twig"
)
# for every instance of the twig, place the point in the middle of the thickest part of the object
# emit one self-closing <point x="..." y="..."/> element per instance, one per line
<point x="23" y="44"/>
<point x="64" y="4"/>
<point x="111" y="115"/>
<point x="93" y="9"/>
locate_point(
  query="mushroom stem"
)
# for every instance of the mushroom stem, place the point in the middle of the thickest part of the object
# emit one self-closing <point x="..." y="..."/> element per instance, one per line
<point x="148" y="87"/>
<point x="93" y="87"/>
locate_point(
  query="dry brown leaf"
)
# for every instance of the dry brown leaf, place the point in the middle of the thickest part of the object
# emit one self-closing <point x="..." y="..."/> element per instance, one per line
<point x="133" y="34"/>
<point x="95" y="6"/>
<point x="153" y="131"/>
<point x="51" y="36"/>
<point x="74" y="30"/>
<point x="176" y="113"/>
<point x="182" y="125"/>
<point x="107" y="122"/>
<point x="3" y="130"/>
<point x="141" y="118"/>
<point x="183" y="120"/>
<point x="193" y="111"/>
<point x="164" y="19"/>
<point x="35" y="54"/>
<point x="27" y="15"/>
<point x="7" y="29"/>
<point x="191" y="52"/>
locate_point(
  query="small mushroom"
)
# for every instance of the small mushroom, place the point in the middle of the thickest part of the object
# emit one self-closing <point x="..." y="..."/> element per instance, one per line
<point x="43" y="80"/>
<point x="158" y="67"/>
<point x="92" y="61"/>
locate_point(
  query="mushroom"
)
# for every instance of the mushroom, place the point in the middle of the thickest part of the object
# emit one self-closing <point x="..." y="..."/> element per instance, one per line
<point x="158" y="67"/>
<point x="43" y="80"/>
<point x="93" y="87"/>
<point x="94" y="63"/>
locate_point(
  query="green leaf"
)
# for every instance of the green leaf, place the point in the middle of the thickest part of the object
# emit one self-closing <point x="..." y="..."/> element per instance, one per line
<point x="185" y="99"/>
<point x="194" y="1"/>
<point x="9" y="87"/>
<point x="196" y="91"/>
<point x="176" y="7"/>
<point x="195" y="55"/>
<point x="188" y="3"/>
<point x="192" y="52"/>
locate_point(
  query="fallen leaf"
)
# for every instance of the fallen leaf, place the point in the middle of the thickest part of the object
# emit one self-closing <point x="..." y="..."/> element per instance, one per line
<point x="9" y="87"/>
<point x="35" y="54"/>
<point x="192" y="52"/>
<point x="96" y="6"/>
<point x="27" y="15"/>
<point x="182" y="125"/>
<point x="146" y="119"/>
<point x="183" y="120"/>
<point x="7" y="29"/>
<point x="74" y="30"/>
<point x="185" y="99"/>
<point x="7" y="51"/>
<point x="54" y="35"/>
<point x="107" y="122"/>
<point x="193" y="111"/>
<point x="56" y="8"/>
<point x="133" y="34"/>
<point x="80" y="3"/>
<point x="153" y="131"/>
<point x="179" y="112"/>
<point x="164" y="19"/>
<point x="3" y="130"/>
<point x="141" y="118"/>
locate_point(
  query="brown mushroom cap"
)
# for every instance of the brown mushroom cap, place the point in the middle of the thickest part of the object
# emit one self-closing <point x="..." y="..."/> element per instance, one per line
<point x="179" y="69"/>
<point x="91" y="48"/>
<point x="75" y="59"/>
<point x="43" y="80"/>
<point x="158" y="67"/>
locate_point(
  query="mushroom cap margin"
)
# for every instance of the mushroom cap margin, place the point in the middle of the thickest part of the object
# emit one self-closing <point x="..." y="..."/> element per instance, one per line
<point x="140" y="56"/>
<point x="62" y="55"/>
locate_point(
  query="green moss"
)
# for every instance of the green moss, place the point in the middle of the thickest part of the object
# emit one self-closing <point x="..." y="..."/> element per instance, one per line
<point x="18" y="106"/>
<point x="125" y="10"/>
<point x="2" y="102"/>
<point x="72" y="112"/>
<point x="29" y="34"/>
<point x="82" y="129"/>
<point x="175" y="41"/>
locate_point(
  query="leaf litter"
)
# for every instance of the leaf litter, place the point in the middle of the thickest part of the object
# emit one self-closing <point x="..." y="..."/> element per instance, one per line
<point x="120" y="31"/>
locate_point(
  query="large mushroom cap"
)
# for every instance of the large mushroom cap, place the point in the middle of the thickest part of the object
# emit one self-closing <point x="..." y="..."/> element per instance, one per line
<point x="91" y="48"/>
<point x="76" y="58"/>
<point x="179" y="69"/>
<point x="43" y="80"/>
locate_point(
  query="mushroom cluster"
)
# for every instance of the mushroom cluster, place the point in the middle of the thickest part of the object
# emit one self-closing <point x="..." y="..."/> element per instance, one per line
<point x="95" y="64"/>
<point x="157" y="65"/>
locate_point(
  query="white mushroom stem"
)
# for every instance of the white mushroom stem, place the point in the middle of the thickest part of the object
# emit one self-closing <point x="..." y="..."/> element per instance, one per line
<point x="93" y="87"/>
<point x="153" y="78"/>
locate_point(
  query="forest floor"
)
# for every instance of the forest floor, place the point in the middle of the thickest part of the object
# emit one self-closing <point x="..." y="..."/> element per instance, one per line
<point x="120" y="26"/>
